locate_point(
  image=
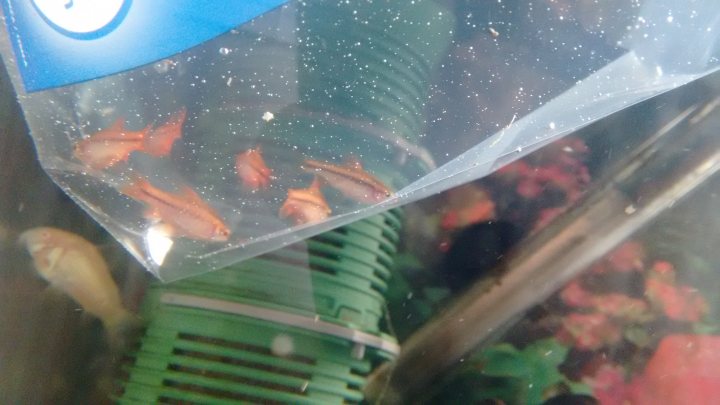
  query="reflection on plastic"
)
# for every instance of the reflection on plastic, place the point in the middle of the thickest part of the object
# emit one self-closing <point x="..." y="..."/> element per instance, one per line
<point x="158" y="242"/>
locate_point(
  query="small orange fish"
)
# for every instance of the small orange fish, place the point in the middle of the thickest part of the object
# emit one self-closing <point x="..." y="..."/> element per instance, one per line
<point x="110" y="146"/>
<point x="251" y="169"/>
<point x="161" y="139"/>
<point x="185" y="212"/>
<point x="351" y="180"/>
<point x="305" y="205"/>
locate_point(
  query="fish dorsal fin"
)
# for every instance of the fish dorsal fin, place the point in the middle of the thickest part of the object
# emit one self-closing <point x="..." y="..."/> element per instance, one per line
<point x="254" y="157"/>
<point x="191" y="195"/>
<point x="255" y="150"/>
<point x="311" y="195"/>
<point x="315" y="186"/>
<point x="111" y="132"/>
<point x="179" y="117"/>
<point x="117" y="126"/>
<point x="148" y="128"/>
<point x="353" y="162"/>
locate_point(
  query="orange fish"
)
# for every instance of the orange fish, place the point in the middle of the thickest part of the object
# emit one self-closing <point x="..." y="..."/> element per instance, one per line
<point x="251" y="169"/>
<point x="185" y="212"/>
<point x="466" y="205"/>
<point x="161" y="139"/>
<point x="110" y="146"/>
<point x="351" y="180"/>
<point x="305" y="205"/>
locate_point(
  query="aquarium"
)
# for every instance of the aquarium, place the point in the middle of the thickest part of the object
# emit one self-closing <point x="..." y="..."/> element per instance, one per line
<point x="432" y="201"/>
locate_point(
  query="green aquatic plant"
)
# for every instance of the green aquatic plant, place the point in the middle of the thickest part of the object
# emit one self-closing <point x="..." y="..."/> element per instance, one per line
<point x="528" y="375"/>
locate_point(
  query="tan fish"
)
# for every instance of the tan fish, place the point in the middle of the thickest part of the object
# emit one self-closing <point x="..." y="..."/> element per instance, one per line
<point x="110" y="146"/>
<point x="305" y="205"/>
<point x="185" y="212"/>
<point x="76" y="267"/>
<point x="251" y="169"/>
<point x="351" y="180"/>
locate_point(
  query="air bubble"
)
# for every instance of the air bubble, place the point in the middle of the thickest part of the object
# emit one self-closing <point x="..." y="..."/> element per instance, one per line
<point x="282" y="345"/>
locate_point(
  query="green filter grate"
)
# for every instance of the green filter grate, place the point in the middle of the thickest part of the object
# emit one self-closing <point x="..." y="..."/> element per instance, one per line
<point x="339" y="276"/>
<point x="198" y="355"/>
<point x="213" y="339"/>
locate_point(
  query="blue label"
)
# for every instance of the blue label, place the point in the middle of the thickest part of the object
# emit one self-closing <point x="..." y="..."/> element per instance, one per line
<point x="60" y="42"/>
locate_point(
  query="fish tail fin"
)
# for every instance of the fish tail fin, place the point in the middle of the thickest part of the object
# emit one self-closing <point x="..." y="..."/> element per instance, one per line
<point x="123" y="328"/>
<point x="159" y="141"/>
<point x="179" y="117"/>
<point x="118" y="125"/>
<point x="316" y="184"/>
<point x="146" y="131"/>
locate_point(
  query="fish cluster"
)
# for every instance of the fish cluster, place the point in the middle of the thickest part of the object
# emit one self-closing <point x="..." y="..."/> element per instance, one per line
<point x="114" y="144"/>
<point x="308" y="205"/>
<point x="186" y="214"/>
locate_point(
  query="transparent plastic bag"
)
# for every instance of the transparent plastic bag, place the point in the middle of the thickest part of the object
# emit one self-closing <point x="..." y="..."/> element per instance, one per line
<point x="317" y="113"/>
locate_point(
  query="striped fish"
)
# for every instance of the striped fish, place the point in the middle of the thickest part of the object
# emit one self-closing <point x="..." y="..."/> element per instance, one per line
<point x="185" y="212"/>
<point x="351" y="180"/>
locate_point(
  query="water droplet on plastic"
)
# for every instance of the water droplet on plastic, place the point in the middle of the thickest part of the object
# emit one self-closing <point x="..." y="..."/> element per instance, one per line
<point x="163" y="66"/>
<point x="224" y="51"/>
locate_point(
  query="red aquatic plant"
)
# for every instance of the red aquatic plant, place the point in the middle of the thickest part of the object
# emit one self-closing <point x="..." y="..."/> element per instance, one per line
<point x="621" y="307"/>
<point x="683" y="370"/>
<point x="547" y="215"/>
<point x="543" y="184"/>
<point x="618" y="306"/>
<point x="677" y="302"/>
<point x="629" y="256"/>
<point x="588" y="331"/>
<point x="558" y="166"/>
<point x="575" y="295"/>
<point x="608" y="384"/>
<point x="615" y="329"/>
<point x="599" y="317"/>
